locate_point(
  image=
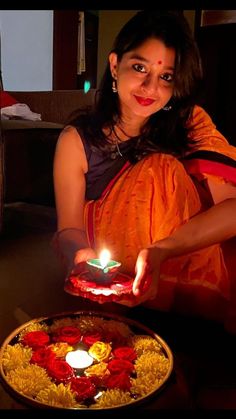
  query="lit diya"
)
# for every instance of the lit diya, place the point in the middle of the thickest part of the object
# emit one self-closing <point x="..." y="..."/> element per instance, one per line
<point x="99" y="280"/>
<point x="103" y="270"/>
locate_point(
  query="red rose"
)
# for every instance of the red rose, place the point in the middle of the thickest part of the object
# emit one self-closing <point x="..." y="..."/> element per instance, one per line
<point x="42" y="357"/>
<point x="90" y="338"/>
<point x="83" y="387"/>
<point x="125" y="352"/>
<point x="36" y="339"/>
<point x="59" y="370"/>
<point x="116" y="366"/>
<point x="121" y="381"/>
<point x="69" y="334"/>
<point x="96" y="380"/>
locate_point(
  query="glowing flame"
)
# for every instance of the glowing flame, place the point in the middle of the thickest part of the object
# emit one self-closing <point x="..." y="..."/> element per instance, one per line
<point x="105" y="257"/>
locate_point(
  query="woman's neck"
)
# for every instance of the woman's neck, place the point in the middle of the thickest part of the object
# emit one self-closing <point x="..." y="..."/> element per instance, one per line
<point x="126" y="128"/>
<point x="123" y="134"/>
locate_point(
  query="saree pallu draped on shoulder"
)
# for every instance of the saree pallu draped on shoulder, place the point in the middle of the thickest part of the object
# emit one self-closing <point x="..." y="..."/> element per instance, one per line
<point x="211" y="154"/>
<point x="146" y="203"/>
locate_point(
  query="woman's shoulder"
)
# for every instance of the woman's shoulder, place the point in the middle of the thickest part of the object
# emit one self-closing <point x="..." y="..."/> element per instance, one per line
<point x="201" y="128"/>
<point x="68" y="133"/>
<point x="70" y="140"/>
<point x="200" y="119"/>
<point x="69" y="130"/>
<point x="205" y="137"/>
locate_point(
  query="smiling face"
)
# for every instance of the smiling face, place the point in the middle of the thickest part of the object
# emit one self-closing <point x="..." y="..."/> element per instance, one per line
<point x="145" y="78"/>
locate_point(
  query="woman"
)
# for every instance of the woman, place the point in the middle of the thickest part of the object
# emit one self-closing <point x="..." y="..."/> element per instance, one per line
<point x="147" y="175"/>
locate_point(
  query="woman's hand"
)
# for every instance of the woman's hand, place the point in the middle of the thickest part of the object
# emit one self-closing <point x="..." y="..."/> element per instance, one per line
<point x="80" y="260"/>
<point x="145" y="285"/>
<point x="83" y="255"/>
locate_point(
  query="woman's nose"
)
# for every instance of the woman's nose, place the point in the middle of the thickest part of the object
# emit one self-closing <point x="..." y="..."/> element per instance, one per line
<point x="150" y="83"/>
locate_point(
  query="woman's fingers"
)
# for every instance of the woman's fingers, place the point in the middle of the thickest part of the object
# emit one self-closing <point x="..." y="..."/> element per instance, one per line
<point x="83" y="255"/>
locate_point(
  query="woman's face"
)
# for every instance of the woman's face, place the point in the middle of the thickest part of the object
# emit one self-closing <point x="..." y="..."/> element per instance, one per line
<point x="145" y="78"/>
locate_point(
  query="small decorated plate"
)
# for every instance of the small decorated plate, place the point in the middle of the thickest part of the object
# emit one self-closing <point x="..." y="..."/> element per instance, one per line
<point x="88" y="282"/>
<point x="83" y="285"/>
<point x="84" y="361"/>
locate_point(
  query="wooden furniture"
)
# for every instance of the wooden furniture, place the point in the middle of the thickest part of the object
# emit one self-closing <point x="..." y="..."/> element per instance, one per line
<point x="27" y="151"/>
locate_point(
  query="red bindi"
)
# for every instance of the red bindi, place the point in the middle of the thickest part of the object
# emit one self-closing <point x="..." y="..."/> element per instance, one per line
<point x="159" y="62"/>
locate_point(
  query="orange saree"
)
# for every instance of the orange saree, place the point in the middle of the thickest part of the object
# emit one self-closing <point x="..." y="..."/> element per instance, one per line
<point x="148" y="201"/>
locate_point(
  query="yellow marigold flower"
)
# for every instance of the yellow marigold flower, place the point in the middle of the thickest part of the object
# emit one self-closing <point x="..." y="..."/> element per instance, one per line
<point x="61" y="348"/>
<point x="66" y="321"/>
<point x="90" y="323"/>
<point x="113" y="397"/>
<point x="16" y="356"/>
<point x="117" y="327"/>
<point x="32" y="328"/>
<point x="143" y="343"/>
<point x="100" y="370"/>
<point x="59" y="396"/>
<point x="145" y="384"/>
<point x="100" y="351"/>
<point x="153" y="362"/>
<point x="29" y="380"/>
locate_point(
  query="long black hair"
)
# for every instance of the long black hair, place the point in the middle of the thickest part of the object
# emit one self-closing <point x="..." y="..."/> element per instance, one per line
<point x="165" y="130"/>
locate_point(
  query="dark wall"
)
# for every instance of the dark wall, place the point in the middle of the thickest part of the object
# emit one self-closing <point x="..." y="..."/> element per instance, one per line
<point x="218" y="51"/>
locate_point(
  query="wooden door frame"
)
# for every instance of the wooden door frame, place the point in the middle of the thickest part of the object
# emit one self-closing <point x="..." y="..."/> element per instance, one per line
<point x="65" y="41"/>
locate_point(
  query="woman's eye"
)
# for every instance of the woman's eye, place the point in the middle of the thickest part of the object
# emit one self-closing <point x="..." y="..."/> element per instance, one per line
<point x="140" y="68"/>
<point x="167" y="77"/>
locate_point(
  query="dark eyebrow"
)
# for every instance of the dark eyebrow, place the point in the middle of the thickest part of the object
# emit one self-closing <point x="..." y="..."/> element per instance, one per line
<point x="140" y="58"/>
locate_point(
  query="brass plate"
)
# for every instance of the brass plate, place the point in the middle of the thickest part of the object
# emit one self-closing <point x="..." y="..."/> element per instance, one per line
<point x="136" y="329"/>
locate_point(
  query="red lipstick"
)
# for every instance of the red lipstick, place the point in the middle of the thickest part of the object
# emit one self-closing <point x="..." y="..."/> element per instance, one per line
<point x="144" y="101"/>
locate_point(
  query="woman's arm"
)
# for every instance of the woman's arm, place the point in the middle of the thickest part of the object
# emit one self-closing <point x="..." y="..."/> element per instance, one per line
<point x="210" y="227"/>
<point x="215" y="225"/>
<point x="70" y="166"/>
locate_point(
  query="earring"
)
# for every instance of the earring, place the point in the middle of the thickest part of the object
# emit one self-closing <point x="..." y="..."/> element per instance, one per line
<point x="167" y="108"/>
<point x="114" y="88"/>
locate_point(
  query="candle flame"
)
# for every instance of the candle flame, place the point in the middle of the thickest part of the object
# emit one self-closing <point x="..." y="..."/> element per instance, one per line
<point x="105" y="256"/>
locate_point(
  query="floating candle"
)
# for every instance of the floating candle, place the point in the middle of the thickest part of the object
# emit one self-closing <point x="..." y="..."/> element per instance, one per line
<point x="79" y="359"/>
